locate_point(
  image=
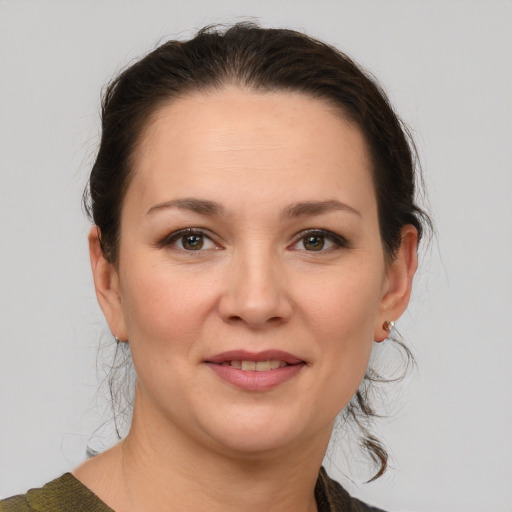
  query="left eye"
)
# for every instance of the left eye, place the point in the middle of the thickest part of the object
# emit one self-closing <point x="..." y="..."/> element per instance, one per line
<point x="190" y="240"/>
<point x="317" y="241"/>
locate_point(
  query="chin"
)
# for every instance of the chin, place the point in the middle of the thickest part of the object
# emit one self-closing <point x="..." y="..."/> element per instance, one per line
<point x="248" y="446"/>
<point x="254" y="435"/>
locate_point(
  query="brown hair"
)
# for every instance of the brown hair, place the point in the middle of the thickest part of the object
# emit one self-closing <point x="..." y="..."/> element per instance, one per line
<point x="259" y="59"/>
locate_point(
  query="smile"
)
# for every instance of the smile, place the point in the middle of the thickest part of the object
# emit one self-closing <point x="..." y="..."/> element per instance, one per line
<point x="258" y="366"/>
<point x="260" y="371"/>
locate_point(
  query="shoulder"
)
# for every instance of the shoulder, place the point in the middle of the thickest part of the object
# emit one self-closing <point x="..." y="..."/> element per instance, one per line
<point x="14" y="504"/>
<point x="331" y="497"/>
<point x="63" y="494"/>
<point x="68" y="494"/>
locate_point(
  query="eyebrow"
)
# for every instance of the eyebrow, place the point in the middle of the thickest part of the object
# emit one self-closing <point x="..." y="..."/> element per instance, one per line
<point x="212" y="208"/>
<point x="202" y="206"/>
<point x="310" y="208"/>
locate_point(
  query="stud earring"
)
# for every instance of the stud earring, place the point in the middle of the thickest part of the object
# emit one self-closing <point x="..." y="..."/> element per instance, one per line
<point x="119" y="341"/>
<point x="388" y="326"/>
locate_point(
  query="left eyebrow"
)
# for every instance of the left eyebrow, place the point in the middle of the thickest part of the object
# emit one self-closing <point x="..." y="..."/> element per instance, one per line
<point x="310" y="208"/>
<point x="201" y="206"/>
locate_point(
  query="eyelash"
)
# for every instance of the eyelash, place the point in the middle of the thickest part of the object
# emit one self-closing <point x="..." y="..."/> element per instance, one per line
<point x="337" y="240"/>
<point x="170" y="239"/>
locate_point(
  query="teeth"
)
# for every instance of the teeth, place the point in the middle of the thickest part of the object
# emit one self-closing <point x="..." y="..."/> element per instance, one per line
<point x="263" y="366"/>
<point x="259" y="366"/>
<point x="248" y="365"/>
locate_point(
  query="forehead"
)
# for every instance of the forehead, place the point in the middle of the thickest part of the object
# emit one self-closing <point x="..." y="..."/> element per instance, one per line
<point x="276" y="144"/>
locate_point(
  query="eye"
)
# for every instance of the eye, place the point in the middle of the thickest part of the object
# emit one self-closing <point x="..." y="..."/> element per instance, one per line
<point x="189" y="240"/>
<point x="318" y="241"/>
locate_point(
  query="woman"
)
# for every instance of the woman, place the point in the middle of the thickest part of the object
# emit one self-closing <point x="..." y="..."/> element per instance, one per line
<point x="255" y="233"/>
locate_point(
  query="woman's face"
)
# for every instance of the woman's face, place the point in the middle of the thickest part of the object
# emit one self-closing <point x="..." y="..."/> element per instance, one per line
<point x="251" y="280"/>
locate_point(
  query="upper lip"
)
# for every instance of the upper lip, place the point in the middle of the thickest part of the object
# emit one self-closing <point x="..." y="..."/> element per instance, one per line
<point x="245" y="355"/>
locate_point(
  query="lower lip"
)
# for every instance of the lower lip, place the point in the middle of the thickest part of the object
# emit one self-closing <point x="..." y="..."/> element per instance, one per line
<point x="251" y="380"/>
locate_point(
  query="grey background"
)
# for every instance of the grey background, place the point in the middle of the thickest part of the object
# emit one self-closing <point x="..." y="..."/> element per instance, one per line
<point x="448" y="69"/>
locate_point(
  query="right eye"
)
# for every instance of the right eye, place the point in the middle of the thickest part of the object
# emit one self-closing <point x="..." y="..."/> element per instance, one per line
<point x="189" y="240"/>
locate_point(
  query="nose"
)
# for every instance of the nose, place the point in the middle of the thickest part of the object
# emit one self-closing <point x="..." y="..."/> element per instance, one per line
<point x="256" y="292"/>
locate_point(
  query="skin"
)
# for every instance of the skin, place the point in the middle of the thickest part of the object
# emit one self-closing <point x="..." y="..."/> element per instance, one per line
<point x="198" y="442"/>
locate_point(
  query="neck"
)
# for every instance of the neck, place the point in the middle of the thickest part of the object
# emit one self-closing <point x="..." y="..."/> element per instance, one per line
<point x="176" y="470"/>
<point x="158" y="467"/>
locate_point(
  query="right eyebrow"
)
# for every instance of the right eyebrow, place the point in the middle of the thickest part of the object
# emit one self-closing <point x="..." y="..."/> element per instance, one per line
<point x="202" y="206"/>
<point x="311" y="208"/>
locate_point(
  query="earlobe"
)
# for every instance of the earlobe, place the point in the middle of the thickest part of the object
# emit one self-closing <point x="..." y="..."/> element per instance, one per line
<point x="106" y="284"/>
<point x="400" y="274"/>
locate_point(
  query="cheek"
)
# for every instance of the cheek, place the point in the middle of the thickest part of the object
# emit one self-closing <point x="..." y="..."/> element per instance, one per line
<point x="165" y="307"/>
<point x="343" y="325"/>
<point x="344" y="304"/>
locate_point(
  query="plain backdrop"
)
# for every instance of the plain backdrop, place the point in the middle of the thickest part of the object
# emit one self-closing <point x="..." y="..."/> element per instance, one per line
<point x="447" y="67"/>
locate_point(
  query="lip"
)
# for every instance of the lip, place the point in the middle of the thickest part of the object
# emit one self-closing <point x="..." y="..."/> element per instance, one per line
<point x="245" y="355"/>
<point x="250" y="380"/>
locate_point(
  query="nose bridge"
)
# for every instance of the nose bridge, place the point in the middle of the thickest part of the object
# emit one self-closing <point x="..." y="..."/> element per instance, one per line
<point x="256" y="292"/>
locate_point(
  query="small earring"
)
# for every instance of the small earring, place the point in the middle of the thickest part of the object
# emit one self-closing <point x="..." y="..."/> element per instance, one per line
<point x="119" y="341"/>
<point x="388" y="326"/>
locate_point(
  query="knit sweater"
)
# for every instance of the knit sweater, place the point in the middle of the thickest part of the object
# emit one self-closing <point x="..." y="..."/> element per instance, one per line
<point x="67" y="494"/>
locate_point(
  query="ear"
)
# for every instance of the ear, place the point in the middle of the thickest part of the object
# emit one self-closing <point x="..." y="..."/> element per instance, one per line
<point x="106" y="284"/>
<point x="398" y="283"/>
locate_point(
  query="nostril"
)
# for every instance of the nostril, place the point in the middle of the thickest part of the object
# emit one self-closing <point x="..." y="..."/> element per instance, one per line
<point x="256" y="301"/>
<point x="254" y="321"/>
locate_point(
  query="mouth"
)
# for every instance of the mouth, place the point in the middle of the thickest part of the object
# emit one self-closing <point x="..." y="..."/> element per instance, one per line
<point x="257" y="366"/>
<point x="259" y="371"/>
<point x="255" y="361"/>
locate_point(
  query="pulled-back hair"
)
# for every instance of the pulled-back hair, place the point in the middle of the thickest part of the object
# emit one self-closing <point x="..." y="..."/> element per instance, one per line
<point x="258" y="59"/>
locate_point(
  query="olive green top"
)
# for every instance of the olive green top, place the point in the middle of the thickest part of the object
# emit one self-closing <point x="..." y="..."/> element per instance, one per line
<point x="67" y="494"/>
